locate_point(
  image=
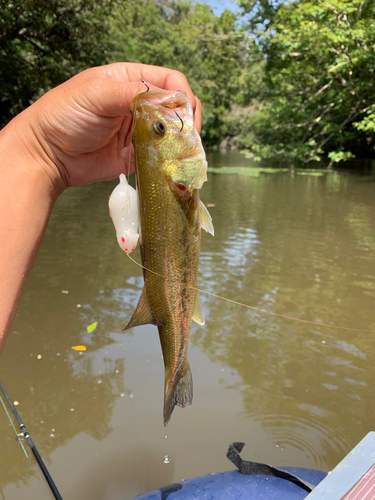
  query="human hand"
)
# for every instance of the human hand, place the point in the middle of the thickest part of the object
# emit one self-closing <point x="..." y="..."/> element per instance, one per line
<point x="79" y="129"/>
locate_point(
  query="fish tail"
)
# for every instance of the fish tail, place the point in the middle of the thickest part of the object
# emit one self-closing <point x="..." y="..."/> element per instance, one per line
<point x="178" y="391"/>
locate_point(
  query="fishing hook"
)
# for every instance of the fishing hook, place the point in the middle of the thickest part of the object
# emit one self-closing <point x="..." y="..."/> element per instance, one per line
<point x="148" y="88"/>
<point x="180" y="120"/>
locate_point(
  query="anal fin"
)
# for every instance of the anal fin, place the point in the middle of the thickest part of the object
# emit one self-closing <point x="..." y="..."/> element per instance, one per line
<point x="198" y="314"/>
<point x="142" y="314"/>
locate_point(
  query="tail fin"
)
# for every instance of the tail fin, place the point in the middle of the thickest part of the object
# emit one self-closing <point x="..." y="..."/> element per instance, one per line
<point x="179" y="392"/>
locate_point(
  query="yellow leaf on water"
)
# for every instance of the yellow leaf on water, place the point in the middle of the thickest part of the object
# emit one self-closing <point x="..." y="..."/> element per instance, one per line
<point x="79" y="347"/>
<point x="92" y="327"/>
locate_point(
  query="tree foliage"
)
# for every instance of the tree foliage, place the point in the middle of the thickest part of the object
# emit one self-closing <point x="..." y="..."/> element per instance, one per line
<point x="43" y="43"/>
<point x="210" y="50"/>
<point x="293" y="80"/>
<point x="319" y="79"/>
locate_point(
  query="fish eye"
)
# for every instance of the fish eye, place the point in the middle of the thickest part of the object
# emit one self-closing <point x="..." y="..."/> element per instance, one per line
<point x="158" y="128"/>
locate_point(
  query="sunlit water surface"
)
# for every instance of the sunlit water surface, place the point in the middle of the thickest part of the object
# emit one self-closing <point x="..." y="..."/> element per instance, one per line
<point x="295" y="393"/>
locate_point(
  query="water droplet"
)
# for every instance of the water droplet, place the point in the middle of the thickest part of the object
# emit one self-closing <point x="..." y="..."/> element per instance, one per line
<point x="165" y="436"/>
<point x="16" y="403"/>
<point x="79" y="305"/>
<point x="122" y="394"/>
<point x="167" y="459"/>
<point x="52" y="435"/>
<point x="131" y="395"/>
<point x="20" y="436"/>
<point x="39" y="356"/>
<point x="100" y="381"/>
<point x="71" y="409"/>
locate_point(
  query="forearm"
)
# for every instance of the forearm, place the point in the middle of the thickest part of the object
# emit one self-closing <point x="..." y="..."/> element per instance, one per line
<point x="27" y="195"/>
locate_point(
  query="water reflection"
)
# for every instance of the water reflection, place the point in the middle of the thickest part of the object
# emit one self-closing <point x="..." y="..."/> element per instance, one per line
<point x="301" y="256"/>
<point x="61" y="397"/>
<point x="64" y="392"/>
<point x="295" y="245"/>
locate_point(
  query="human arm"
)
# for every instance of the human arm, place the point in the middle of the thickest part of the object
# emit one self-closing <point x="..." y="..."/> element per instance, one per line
<point x="73" y="135"/>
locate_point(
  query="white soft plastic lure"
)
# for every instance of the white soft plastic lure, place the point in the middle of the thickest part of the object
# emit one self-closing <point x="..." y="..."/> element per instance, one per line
<point x="124" y="210"/>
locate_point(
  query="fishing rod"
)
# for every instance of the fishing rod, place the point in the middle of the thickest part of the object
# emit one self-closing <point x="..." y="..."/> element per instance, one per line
<point x="38" y="458"/>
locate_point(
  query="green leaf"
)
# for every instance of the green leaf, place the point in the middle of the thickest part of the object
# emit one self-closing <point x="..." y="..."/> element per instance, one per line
<point x="92" y="327"/>
<point x="337" y="156"/>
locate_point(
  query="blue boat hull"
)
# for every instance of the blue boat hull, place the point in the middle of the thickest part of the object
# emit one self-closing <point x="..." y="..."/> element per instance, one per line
<point x="233" y="485"/>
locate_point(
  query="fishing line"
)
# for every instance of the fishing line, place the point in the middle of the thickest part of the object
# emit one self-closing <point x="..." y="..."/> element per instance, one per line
<point x="129" y="160"/>
<point x="27" y="436"/>
<point x="252" y="307"/>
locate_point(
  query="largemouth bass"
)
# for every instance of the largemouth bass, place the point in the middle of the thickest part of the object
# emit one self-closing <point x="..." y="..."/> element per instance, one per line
<point x="170" y="168"/>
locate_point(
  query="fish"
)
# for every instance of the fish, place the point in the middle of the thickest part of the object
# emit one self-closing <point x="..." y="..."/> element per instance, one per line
<point x="171" y="166"/>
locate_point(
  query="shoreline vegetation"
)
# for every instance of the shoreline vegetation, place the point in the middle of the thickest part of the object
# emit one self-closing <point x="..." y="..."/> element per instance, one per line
<point x="288" y="81"/>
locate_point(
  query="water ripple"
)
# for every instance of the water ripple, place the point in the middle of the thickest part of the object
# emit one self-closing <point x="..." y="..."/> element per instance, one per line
<point x="310" y="435"/>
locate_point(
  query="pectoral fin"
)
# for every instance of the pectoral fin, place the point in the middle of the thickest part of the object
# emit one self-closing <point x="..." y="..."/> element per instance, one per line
<point x="142" y="314"/>
<point x="206" y="219"/>
<point x="198" y="314"/>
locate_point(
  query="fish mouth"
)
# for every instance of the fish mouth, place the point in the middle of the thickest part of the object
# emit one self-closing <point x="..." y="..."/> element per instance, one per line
<point x="173" y="105"/>
<point x="170" y="99"/>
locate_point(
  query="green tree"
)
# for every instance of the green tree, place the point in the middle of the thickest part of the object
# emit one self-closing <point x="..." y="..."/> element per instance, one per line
<point x="319" y="84"/>
<point x="209" y="49"/>
<point x="45" y="42"/>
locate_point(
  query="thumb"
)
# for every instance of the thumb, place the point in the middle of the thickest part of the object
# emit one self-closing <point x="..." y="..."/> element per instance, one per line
<point x="113" y="98"/>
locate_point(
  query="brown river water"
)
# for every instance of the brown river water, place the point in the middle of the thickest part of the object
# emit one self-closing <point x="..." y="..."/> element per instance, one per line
<point x="296" y="393"/>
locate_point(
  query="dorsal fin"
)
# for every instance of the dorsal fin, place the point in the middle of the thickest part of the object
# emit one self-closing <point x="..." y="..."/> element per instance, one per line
<point x="198" y="314"/>
<point x="142" y="314"/>
<point x="206" y="219"/>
